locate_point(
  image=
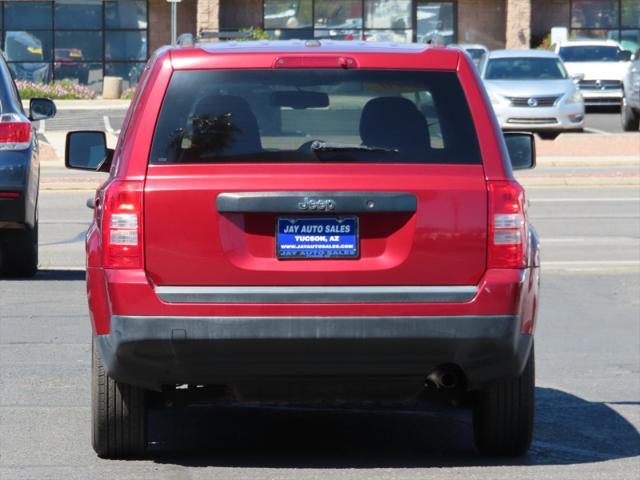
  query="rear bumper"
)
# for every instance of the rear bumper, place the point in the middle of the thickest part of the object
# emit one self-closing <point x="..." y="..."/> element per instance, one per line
<point x="12" y="211"/>
<point x="153" y="351"/>
<point x="18" y="173"/>
<point x="611" y="97"/>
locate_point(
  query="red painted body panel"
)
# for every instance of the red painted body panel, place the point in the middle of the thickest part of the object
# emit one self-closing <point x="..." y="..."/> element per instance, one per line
<point x="452" y="203"/>
<point x="188" y="243"/>
<point x="501" y="292"/>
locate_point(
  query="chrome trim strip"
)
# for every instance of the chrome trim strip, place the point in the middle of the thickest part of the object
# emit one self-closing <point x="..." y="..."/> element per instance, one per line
<point x="324" y="294"/>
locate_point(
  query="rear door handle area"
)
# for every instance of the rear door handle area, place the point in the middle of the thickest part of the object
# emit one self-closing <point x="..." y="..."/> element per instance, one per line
<point x="315" y="201"/>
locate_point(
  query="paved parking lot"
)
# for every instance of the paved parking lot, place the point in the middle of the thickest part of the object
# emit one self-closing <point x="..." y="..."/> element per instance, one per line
<point x="588" y="395"/>
<point x="603" y="120"/>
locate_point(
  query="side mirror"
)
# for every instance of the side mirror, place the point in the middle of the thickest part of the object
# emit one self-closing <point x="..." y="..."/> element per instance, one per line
<point x="577" y="77"/>
<point x="522" y="149"/>
<point x="41" y="109"/>
<point x="87" y="150"/>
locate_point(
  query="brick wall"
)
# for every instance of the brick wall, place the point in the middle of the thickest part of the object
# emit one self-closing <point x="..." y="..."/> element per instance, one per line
<point x="240" y="14"/>
<point x="208" y="15"/>
<point x="160" y="21"/>
<point x="546" y="14"/>
<point x="482" y="21"/>
<point x="518" y="29"/>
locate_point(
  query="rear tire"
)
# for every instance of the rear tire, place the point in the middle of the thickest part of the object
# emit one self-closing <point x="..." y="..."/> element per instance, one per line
<point x="503" y="414"/>
<point x="119" y="415"/>
<point x="629" y="118"/>
<point x="21" y="255"/>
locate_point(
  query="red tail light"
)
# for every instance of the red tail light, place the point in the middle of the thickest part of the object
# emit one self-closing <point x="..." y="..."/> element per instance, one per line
<point x="121" y="219"/>
<point x="508" y="225"/>
<point x="15" y="132"/>
<point x="9" y="194"/>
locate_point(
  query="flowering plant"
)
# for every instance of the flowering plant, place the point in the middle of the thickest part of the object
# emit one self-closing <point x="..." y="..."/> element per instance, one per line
<point x="61" y="89"/>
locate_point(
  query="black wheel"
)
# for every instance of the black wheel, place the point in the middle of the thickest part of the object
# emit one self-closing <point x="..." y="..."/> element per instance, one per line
<point x="629" y="118"/>
<point x="21" y="253"/>
<point x="119" y="415"/>
<point x="551" y="135"/>
<point x="503" y="414"/>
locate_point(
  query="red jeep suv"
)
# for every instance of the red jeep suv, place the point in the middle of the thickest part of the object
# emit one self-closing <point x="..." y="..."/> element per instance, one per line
<point x="307" y="222"/>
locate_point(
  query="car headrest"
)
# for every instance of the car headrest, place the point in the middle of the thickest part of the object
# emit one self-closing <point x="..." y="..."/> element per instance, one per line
<point x="227" y="124"/>
<point x="394" y="122"/>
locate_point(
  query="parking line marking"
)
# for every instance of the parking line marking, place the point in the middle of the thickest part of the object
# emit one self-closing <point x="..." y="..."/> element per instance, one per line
<point x="597" y="130"/>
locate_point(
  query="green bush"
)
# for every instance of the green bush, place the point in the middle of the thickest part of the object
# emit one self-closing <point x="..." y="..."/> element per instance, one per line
<point x="253" y="34"/>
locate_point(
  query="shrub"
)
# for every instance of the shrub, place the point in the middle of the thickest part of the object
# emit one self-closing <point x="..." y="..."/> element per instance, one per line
<point x="253" y="34"/>
<point x="127" y="94"/>
<point x="61" y="89"/>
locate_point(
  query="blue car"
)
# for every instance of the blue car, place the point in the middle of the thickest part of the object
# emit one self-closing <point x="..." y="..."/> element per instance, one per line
<point x="19" y="178"/>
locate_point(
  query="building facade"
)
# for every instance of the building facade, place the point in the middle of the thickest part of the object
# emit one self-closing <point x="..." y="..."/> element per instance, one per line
<point x="84" y="40"/>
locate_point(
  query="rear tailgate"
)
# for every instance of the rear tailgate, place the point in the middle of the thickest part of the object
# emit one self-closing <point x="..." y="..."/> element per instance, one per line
<point x="189" y="242"/>
<point x="403" y="134"/>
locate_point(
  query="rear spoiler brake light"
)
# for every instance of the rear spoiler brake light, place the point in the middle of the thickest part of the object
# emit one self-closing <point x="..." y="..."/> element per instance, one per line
<point x="313" y="61"/>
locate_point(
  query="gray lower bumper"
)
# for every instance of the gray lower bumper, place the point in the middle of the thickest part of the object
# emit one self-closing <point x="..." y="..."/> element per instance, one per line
<point x="155" y="351"/>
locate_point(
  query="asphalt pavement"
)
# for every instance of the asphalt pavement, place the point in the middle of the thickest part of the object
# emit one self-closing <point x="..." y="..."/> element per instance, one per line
<point x="603" y="120"/>
<point x="588" y="376"/>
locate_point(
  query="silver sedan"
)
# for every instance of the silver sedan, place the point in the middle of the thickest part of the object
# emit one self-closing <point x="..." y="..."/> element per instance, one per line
<point x="531" y="90"/>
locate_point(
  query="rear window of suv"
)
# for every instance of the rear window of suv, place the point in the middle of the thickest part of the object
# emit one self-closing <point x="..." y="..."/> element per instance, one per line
<point x="267" y="116"/>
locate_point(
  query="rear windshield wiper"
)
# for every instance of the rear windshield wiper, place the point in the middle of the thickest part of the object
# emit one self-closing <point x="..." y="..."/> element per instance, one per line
<point x="318" y="146"/>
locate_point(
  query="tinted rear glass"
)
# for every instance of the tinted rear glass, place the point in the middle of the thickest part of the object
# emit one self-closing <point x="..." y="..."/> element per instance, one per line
<point x="590" y="54"/>
<point x="276" y="115"/>
<point x="525" y="69"/>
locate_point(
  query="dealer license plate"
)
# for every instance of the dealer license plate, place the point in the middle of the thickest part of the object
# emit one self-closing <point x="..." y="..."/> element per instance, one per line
<point x="320" y="237"/>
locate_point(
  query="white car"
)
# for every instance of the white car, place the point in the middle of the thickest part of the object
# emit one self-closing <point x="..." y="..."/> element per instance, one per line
<point x="531" y="90"/>
<point x="599" y="66"/>
<point x="475" y="50"/>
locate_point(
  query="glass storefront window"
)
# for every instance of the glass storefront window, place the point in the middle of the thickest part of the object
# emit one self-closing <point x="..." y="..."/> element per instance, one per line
<point x="38" y="72"/>
<point x="393" y="14"/>
<point x="85" y="73"/>
<point x="27" y="46"/>
<point x="280" y="14"/>
<point x="398" y="36"/>
<point x="332" y="14"/>
<point x="27" y="15"/>
<point x="435" y="23"/>
<point x="123" y="45"/>
<point x="125" y="14"/>
<point x="595" y="33"/>
<point x="77" y="46"/>
<point x="595" y="13"/>
<point x="79" y="40"/>
<point x="129" y="72"/>
<point x="339" y="34"/>
<point x="291" y="34"/>
<point x="630" y="13"/>
<point x="73" y="13"/>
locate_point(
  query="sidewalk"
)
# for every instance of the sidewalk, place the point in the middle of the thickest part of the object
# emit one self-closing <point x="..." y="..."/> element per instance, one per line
<point x="97" y="104"/>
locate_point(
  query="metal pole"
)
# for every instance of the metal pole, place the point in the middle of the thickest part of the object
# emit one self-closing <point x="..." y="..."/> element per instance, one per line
<point x="173" y="22"/>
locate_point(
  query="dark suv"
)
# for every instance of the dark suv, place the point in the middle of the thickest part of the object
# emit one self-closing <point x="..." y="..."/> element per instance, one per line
<point x="19" y="178"/>
<point x="311" y="222"/>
